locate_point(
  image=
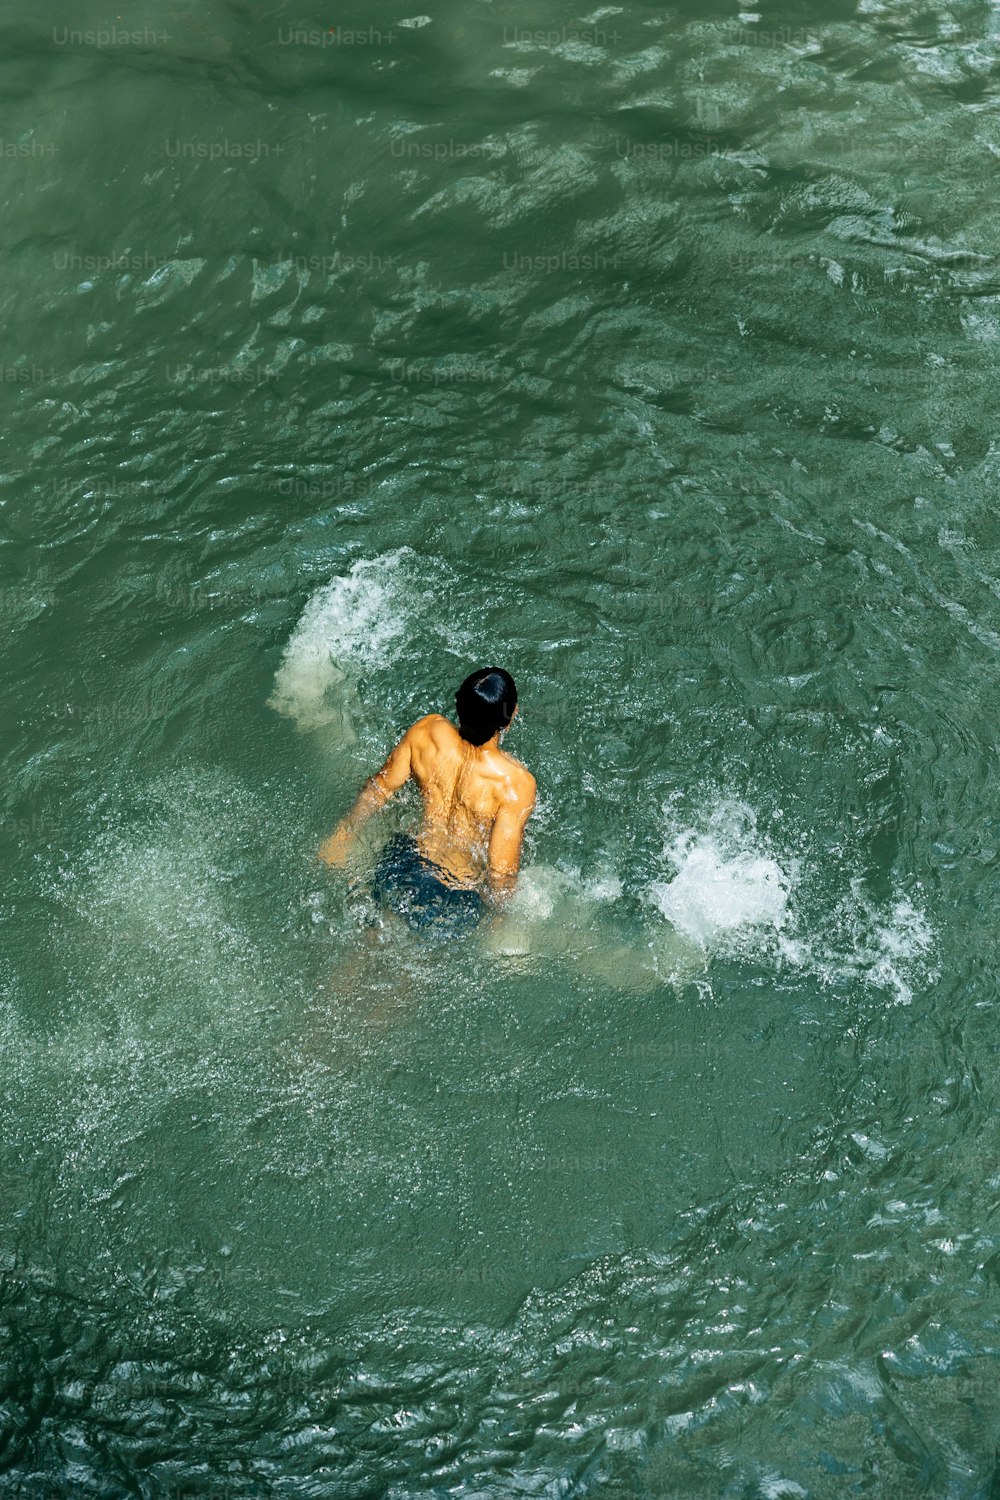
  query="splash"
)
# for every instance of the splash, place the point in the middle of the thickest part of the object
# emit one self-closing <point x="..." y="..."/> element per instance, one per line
<point x="727" y="885"/>
<point x="160" y="928"/>
<point x="347" y="625"/>
<point x="889" y="947"/>
<point x="905" y="937"/>
<point x="731" y="892"/>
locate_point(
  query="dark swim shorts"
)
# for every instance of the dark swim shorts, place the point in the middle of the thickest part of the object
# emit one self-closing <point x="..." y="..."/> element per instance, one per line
<point x="417" y="890"/>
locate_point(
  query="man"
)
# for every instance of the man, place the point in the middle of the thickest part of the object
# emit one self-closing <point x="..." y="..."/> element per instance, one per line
<point x="477" y="800"/>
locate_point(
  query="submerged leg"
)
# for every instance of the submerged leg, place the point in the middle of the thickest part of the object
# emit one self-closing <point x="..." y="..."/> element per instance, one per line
<point x="572" y="932"/>
<point x="369" y="981"/>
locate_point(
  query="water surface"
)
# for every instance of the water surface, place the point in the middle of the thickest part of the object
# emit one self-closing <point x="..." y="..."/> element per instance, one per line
<point x="651" y="352"/>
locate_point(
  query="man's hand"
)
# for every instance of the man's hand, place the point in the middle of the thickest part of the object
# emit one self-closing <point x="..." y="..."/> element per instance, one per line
<point x="335" y="851"/>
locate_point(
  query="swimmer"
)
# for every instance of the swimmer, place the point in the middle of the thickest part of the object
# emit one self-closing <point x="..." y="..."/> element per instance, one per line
<point x="477" y="801"/>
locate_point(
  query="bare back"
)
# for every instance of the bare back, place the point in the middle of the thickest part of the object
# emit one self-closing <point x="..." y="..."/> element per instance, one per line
<point x="477" y="800"/>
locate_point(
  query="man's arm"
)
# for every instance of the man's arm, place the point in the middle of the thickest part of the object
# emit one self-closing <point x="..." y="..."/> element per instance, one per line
<point x="374" y="795"/>
<point x="506" y="838"/>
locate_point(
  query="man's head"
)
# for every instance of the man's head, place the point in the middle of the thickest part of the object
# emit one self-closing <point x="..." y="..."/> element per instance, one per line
<point x="485" y="702"/>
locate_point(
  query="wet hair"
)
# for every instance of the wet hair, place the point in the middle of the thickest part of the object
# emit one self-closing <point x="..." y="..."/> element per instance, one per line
<point x="485" y="703"/>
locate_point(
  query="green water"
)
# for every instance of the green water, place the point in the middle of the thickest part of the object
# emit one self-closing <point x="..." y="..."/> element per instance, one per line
<point x="650" y="352"/>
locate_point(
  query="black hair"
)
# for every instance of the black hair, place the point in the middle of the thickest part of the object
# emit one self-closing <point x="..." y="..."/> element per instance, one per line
<point x="485" y="703"/>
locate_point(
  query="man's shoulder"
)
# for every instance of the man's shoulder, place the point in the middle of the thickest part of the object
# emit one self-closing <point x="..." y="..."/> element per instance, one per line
<point x="520" y="778"/>
<point x="433" y="727"/>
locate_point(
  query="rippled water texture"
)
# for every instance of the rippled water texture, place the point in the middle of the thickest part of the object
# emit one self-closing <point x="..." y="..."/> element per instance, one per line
<point x="651" y="352"/>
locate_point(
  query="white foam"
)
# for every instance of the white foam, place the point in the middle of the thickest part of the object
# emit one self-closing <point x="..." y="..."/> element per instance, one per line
<point x="731" y="892"/>
<point x="907" y="935"/>
<point x="726" y="882"/>
<point x="711" y="896"/>
<point x="347" y="624"/>
<point x="889" y="948"/>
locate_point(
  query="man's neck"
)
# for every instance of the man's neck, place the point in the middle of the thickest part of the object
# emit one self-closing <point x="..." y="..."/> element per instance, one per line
<point x="491" y="744"/>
